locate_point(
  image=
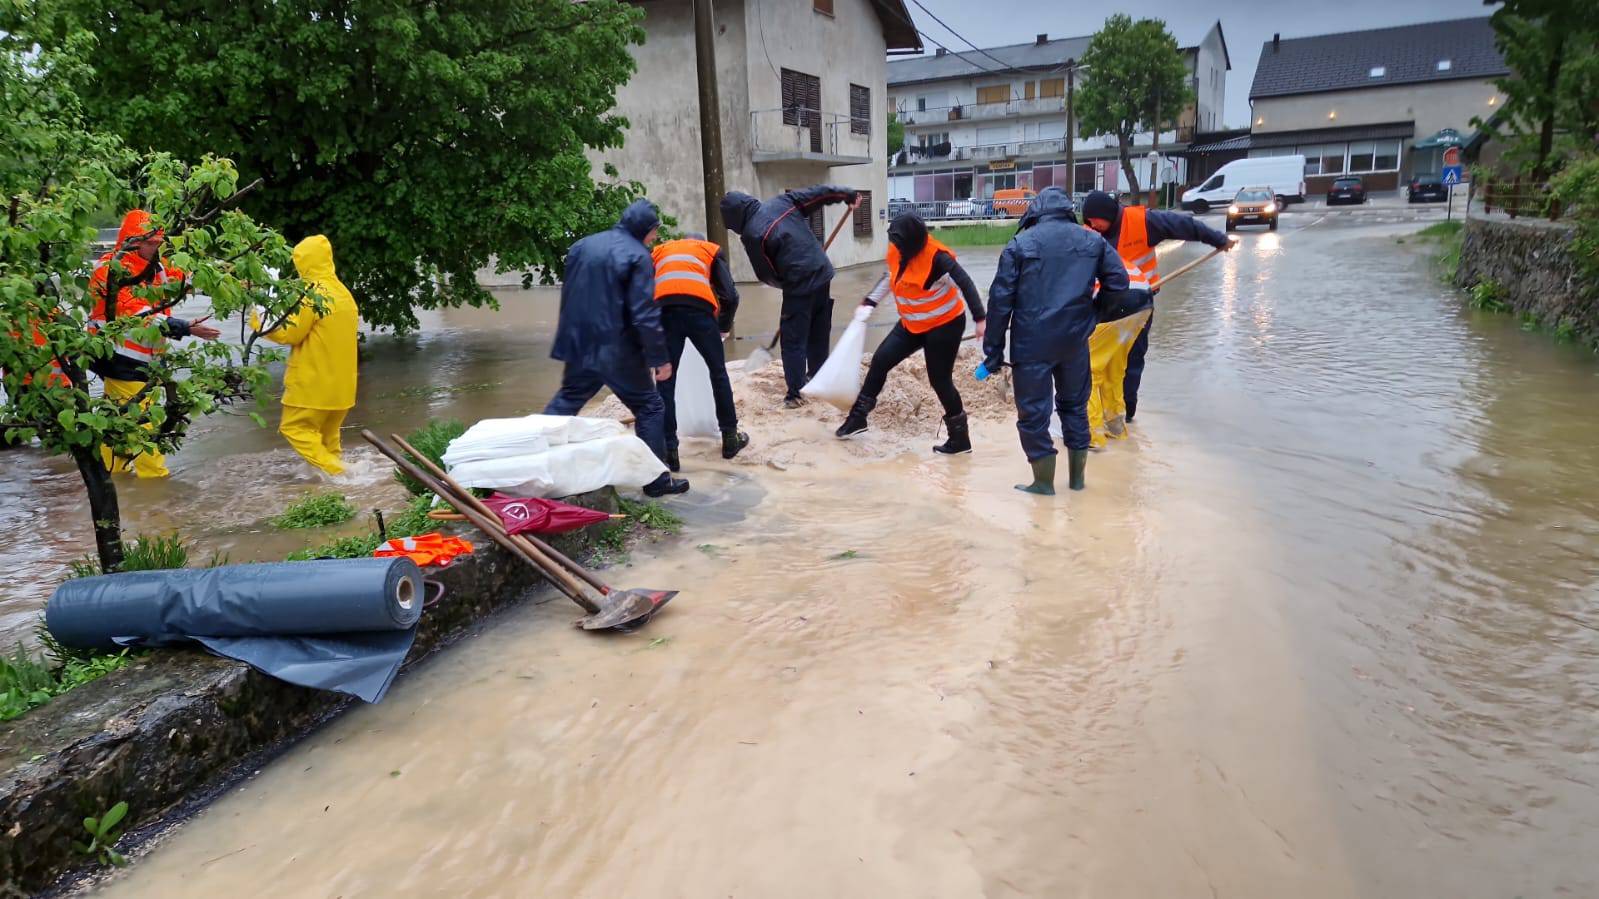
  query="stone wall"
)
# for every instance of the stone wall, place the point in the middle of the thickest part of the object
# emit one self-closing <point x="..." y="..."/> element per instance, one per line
<point x="1530" y="261"/>
<point x="173" y="729"/>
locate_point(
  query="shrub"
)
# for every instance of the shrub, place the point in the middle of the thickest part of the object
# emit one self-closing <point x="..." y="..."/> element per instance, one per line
<point x="1577" y="187"/>
<point x="315" y="511"/>
<point x="144" y="553"/>
<point x="1489" y="295"/>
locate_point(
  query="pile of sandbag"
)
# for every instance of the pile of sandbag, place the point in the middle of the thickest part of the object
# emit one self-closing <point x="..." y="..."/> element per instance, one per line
<point x="550" y="455"/>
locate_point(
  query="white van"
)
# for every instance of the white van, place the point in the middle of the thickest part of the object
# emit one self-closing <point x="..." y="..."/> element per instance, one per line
<point x="1285" y="175"/>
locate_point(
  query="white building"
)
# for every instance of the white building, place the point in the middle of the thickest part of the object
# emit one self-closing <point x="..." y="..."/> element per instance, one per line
<point x="979" y="122"/>
<point x="802" y="91"/>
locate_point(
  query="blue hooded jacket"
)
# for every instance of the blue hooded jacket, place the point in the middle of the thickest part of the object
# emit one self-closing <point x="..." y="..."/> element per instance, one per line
<point x="777" y="235"/>
<point x="609" y="319"/>
<point x="1043" y="292"/>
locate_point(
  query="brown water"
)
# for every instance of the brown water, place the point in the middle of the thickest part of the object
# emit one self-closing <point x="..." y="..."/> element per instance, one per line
<point x="1323" y="627"/>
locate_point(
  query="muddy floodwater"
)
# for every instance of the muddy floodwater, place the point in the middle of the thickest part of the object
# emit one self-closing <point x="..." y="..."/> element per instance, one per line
<point x="1323" y="627"/>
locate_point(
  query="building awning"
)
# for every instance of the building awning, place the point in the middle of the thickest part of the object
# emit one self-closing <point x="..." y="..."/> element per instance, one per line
<point x="1240" y="142"/>
<point x="1387" y="131"/>
<point x="1447" y="137"/>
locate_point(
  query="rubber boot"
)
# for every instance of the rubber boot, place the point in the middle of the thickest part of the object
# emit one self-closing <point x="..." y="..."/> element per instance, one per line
<point x="960" y="438"/>
<point x="855" y="421"/>
<point x="672" y="462"/>
<point x="1117" y="427"/>
<point x="733" y="441"/>
<point x="1043" y="477"/>
<point x="1076" y="462"/>
<point x="665" y="485"/>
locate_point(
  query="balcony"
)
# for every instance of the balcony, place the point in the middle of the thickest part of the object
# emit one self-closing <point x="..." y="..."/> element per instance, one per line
<point x="977" y="112"/>
<point x="992" y="151"/>
<point x="811" y="136"/>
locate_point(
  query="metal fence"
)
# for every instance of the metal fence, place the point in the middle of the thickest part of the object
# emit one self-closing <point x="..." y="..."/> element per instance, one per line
<point x="972" y="209"/>
<point x="1512" y="198"/>
<point x="802" y="129"/>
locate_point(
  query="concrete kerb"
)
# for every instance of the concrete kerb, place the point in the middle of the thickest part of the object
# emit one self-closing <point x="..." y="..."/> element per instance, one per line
<point x="171" y="731"/>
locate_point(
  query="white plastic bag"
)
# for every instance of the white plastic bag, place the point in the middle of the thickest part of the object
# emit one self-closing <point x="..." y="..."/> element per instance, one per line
<point x="696" y="407"/>
<point x="839" y="380"/>
<point x="501" y="438"/>
<point x="622" y="461"/>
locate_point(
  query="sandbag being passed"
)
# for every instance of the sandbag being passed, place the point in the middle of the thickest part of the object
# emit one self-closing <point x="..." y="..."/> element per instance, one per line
<point x="624" y="461"/>
<point x="696" y="406"/>
<point x="839" y="380"/>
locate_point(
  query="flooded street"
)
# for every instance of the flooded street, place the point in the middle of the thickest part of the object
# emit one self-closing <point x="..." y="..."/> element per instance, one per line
<point x="1323" y="627"/>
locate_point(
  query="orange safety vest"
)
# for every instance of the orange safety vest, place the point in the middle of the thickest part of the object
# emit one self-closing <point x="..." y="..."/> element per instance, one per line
<point x="683" y="268"/>
<point x="425" y="549"/>
<point x="1133" y="246"/>
<point x="126" y="304"/>
<point x="921" y="309"/>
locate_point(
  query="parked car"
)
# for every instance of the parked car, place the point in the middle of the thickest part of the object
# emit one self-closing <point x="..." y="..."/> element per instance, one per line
<point x="967" y="209"/>
<point x="1426" y="186"/>
<point x="1013" y="201"/>
<point x="1351" y="189"/>
<point x="1284" y="176"/>
<point x="1253" y="206"/>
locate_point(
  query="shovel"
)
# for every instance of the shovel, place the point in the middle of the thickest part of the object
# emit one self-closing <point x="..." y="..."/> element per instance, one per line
<point x="607" y="608"/>
<point x="762" y="356"/>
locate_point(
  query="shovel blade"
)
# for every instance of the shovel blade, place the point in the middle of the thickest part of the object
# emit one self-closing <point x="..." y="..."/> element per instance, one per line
<point x="758" y="360"/>
<point x="625" y="610"/>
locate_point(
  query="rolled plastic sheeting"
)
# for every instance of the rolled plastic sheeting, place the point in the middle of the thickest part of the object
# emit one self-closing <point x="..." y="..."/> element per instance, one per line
<point x="334" y="624"/>
<point x="501" y="438"/>
<point x="624" y="461"/>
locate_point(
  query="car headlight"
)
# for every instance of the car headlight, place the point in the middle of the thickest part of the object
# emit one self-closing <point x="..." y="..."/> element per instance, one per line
<point x="1233" y="209"/>
<point x="1271" y="207"/>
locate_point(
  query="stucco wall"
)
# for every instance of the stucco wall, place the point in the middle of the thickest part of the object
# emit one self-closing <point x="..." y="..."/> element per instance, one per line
<point x="1448" y="104"/>
<point x="1211" y="99"/>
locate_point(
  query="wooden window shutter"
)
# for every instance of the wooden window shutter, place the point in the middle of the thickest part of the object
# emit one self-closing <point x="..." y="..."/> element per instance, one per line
<point x="860" y="109"/>
<point x="825" y="7"/>
<point x="817" y="226"/>
<point x="863" y="215"/>
<point x="802" y="104"/>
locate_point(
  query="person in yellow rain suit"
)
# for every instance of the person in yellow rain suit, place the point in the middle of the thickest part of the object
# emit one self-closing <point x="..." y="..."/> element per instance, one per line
<point x="1122" y="316"/>
<point x="319" y="385"/>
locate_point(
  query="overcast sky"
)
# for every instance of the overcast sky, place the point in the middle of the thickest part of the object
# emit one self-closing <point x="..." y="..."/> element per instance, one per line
<point x="1246" y="23"/>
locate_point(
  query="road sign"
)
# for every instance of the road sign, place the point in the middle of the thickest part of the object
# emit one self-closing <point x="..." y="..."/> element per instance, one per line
<point x="1451" y="174"/>
<point x="1452" y="157"/>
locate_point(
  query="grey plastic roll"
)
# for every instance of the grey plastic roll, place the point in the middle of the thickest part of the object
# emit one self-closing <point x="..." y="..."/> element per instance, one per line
<point x="338" y="624"/>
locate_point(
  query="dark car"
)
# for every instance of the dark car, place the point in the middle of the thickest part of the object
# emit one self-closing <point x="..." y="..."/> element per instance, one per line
<point x="1346" y="190"/>
<point x="1426" y="186"/>
<point x="1253" y="206"/>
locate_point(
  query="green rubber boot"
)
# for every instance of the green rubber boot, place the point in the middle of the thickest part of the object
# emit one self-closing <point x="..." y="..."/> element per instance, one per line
<point x="1043" y="477"/>
<point x="1076" y="461"/>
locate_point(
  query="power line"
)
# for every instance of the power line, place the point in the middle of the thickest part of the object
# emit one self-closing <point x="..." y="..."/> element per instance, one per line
<point x="1010" y="67"/>
<point x="956" y="53"/>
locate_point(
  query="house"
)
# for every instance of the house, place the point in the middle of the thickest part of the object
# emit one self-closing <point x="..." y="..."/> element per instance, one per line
<point x="1376" y="103"/>
<point x="801" y="86"/>
<point x="994" y="119"/>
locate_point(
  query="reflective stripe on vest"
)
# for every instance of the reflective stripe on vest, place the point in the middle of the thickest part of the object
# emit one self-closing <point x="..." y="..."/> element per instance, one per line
<point x="128" y="347"/>
<point x="921" y="309"/>
<point x="683" y="268"/>
<point x="1133" y="246"/>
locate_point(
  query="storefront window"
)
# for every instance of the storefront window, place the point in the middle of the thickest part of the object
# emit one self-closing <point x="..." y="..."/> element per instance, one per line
<point x="1361" y="156"/>
<point x="1332" y="159"/>
<point x="1387" y="156"/>
<point x="963" y="185"/>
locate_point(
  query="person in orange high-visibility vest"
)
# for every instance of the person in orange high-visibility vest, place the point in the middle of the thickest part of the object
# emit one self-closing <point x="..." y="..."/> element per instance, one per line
<point x="932" y="295"/>
<point x="698" y="299"/>
<point x="1135" y="231"/>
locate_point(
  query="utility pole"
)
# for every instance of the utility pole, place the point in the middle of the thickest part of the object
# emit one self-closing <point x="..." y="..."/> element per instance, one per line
<point x="1154" y="156"/>
<point x="1071" y="130"/>
<point x="710" y="121"/>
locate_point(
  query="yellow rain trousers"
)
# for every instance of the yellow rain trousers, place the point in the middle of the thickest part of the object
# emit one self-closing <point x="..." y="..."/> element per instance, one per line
<point x="144" y="465"/>
<point x="319" y="383"/>
<point x="1108" y="348"/>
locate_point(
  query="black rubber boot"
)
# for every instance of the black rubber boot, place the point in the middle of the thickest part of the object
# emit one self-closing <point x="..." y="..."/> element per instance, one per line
<point x="855" y="421"/>
<point x="733" y="441"/>
<point x="1076" y="462"/>
<point x="672" y="462"/>
<point x="960" y="438"/>
<point x="793" y="402"/>
<point x="1043" y="477"/>
<point x="665" y="485"/>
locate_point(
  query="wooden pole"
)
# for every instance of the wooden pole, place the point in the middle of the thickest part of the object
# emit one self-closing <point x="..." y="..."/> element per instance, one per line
<point x="710" y="121"/>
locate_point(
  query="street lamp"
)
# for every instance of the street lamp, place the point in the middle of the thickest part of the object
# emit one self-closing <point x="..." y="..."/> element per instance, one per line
<point x="1154" y="175"/>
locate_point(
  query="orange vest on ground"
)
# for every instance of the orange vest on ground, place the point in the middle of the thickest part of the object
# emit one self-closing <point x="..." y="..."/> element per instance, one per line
<point x="425" y="549"/>
<point x="683" y="268"/>
<point x="921" y="308"/>
<point x="1133" y="246"/>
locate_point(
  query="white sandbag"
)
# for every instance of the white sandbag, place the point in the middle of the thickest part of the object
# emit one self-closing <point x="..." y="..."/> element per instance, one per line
<point x="622" y="461"/>
<point x="839" y="380"/>
<point x="500" y="438"/>
<point x="696" y="407"/>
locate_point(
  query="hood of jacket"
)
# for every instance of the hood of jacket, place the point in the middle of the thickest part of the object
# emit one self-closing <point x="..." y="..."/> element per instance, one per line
<point x="313" y="259"/>
<point x="908" y="233"/>
<point x="1051" y="203"/>
<point x="737" y="210"/>
<point x="639" y="219"/>
<point x="135" y="224"/>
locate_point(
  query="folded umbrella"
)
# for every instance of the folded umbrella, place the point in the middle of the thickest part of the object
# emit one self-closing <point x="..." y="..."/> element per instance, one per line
<point x="532" y="515"/>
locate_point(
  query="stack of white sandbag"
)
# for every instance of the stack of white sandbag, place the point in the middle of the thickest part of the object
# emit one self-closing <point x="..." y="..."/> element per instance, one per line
<point x="550" y="456"/>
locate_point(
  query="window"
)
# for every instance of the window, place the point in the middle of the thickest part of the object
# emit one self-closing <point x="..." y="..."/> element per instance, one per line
<point x="998" y="93"/>
<point x="825" y="7"/>
<point x="860" y="109"/>
<point x="863" y="216"/>
<point x="921" y="104"/>
<point x="1029" y="90"/>
<point x="1215" y="182"/>
<point x="815" y="221"/>
<point x="1387" y="156"/>
<point x="1052" y="87"/>
<point x="802" y="104"/>
<point x="1378" y="71"/>
<point x="1444" y="65"/>
<point x="1361" y="156"/>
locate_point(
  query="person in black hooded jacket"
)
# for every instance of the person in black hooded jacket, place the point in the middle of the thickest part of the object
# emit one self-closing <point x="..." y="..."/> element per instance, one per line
<point x="932" y="295"/>
<point x="786" y="254"/>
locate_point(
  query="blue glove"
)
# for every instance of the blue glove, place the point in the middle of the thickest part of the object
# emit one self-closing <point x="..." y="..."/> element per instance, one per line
<point x="982" y="371"/>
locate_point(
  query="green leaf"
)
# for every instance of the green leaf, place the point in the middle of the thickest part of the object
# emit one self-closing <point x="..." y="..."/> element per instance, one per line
<point x="92" y="825"/>
<point x="67" y="418"/>
<point x="114" y="816"/>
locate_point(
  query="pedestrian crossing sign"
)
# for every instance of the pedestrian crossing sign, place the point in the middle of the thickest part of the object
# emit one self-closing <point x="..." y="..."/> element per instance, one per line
<point x="1451" y="174"/>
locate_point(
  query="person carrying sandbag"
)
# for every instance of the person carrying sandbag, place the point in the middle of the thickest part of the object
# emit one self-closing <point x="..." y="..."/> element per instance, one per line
<point x="932" y="294"/>
<point x="698" y="299"/>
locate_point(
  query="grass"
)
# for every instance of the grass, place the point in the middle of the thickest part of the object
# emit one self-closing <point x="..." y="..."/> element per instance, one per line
<point x="1442" y="229"/>
<point x="410" y="521"/>
<point x="431" y="440"/>
<point x="142" y="553"/>
<point x="976" y="235"/>
<point x="1447" y="237"/>
<point x="28" y="681"/>
<point x="652" y="516"/>
<point x="318" y="510"/>
<point x="1488" y="296"/>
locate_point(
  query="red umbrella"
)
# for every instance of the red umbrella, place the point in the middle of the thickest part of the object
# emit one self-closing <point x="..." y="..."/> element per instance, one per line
<point x="530" y="515"/>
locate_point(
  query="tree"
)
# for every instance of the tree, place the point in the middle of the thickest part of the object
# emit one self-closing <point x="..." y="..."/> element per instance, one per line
<point x="1134" y="69"/>
<point x="56" y="177"/>
<point x="1552" y="49"/>
<point x="896" y="133"/>
<point x="427" y="140"/>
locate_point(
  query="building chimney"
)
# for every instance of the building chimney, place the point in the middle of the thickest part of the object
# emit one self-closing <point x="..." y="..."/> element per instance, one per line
<point x="1042" y="40"/>
<point x="1276" y="41"/>
<point x="939" y="52"/>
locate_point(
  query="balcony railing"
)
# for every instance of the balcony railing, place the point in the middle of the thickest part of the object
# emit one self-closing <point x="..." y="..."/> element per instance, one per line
<point x="983" y="111"/>
<point x="802" y="134"/>
<point x="993" y="151"/>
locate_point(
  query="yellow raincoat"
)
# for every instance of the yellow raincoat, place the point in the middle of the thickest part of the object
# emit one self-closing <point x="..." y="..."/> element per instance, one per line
<point x="1108" y="349"/>
<point x="319" y="385"/>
